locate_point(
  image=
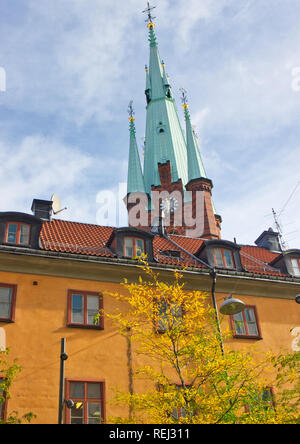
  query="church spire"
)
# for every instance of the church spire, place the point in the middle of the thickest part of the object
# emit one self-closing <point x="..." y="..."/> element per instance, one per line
<point x="164" y="141"/>
<point x="195" y="165"/>
<point x="135" y="181"/>
<point x="172" y="161"/>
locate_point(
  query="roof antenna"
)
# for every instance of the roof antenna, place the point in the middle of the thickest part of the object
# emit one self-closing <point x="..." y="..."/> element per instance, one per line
<point x="278" y="227"/>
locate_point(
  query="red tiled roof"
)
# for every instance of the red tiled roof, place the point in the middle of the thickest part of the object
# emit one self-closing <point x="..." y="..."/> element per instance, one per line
<point x="73" y="237"/>
<point x="256" y="260"/>
<point x="87" y="239"/>
<point x="162" y="249"/>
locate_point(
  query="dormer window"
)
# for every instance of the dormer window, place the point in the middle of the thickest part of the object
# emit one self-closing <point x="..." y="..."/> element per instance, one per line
<point x="130" y="242"/>
<point x="296" y="266"/>
<point x="223" y="258"/>
<point x="133" y="247"/>
<point x="17" y="233"/>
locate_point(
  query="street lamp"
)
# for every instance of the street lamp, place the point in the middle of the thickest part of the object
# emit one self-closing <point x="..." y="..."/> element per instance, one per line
<point x="232" y="306"/>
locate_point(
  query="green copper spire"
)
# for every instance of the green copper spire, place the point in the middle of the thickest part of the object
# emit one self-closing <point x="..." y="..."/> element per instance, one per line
<point x="164" y="136"/>
<point x="135" y="181"/>
<point x="195" y="165"/>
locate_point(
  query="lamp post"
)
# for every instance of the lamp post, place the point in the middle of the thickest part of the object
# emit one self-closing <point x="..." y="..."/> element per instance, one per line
<point x="231" y="305"/>
<point x="63" y="358"/>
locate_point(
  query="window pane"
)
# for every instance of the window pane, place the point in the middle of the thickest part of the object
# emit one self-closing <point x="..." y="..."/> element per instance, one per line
<point x="5" y="302"/>
<point x="228" y="259"/>
<point x="77" y="413"/>
<point x="296" y="267"/>
<point x="163" y="323"/>
<point x="92" y="308"/>
<point x="12" y="233"/>
<point x="139" y="246"/>
<point x="77" y="309"/>
<point x="93" y="390"/>
<point x="24" y="234"/>
<point x="128" y="247"/>
<point x="77" y="390"/>
<point x="94" y="413"/>
<point x="218" y="257"/>
<point x="251" y="321"/>
<point x="176" y="311"/>
<point x="239" y="324"/>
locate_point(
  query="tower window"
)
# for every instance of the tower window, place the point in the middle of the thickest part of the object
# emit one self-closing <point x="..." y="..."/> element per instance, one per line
<point x="161" y="128"/>
<point x="17" y="233"/>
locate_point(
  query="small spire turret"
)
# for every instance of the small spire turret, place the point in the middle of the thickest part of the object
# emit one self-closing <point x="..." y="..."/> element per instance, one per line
<point x="195" y="165"/>
<point x="135" y="182"/>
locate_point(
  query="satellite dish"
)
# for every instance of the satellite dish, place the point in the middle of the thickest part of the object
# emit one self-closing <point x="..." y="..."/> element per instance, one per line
<point x="56" y="205"/>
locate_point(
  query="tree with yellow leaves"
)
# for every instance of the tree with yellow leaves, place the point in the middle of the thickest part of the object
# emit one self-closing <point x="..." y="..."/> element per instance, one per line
<point x="191" y="380"/>
<point x="9" y="371"/>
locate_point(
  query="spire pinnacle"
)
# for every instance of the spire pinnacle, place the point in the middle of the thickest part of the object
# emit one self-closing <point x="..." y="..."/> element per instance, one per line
<point x="195" y="165"/>
<point x="184" y="98"/>
<point x="150" y="18"/>
<point x="131" y="112"/>
<point x="135" y="181"/>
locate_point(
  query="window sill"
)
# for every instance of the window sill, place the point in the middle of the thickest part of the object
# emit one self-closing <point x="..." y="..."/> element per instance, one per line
<point x="86" y="327"/>
<point x="11" y="244"/>
<point x="255" y="338"/>
<point x="7" y="321"/>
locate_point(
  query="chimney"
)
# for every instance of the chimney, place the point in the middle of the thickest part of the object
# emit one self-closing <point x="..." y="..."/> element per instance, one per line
<point x="42" y="209"/>
<point x="269" y="240"/>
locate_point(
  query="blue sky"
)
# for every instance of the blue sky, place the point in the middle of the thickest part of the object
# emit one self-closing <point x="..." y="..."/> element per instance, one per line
<point x="72" y="66"/>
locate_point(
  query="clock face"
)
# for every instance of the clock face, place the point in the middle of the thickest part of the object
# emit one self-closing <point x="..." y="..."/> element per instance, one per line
<point x="169" y="205"/>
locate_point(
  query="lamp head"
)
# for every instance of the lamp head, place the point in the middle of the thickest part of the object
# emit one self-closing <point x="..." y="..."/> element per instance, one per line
<point x="70" y="403"/>
<point x="232" y="306"/>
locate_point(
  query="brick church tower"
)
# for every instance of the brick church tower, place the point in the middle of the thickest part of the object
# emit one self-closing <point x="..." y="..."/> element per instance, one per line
<point x="173" y="188"/>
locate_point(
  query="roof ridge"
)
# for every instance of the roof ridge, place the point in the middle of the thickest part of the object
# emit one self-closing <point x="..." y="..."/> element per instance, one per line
<point x="82" y="223"/>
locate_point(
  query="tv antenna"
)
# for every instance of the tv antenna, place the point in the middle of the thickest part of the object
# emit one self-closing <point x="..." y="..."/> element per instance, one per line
<point x="56" y="205"/>
<point x="289" y="199"/>
<point x="276" y="217"/>
<point x="278" y="228"/>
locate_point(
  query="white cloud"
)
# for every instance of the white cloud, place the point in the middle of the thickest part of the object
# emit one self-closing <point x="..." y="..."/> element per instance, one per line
<point x="67" y="57"/>
<point x="248" y="212"/>
<point x="36" y="166"/>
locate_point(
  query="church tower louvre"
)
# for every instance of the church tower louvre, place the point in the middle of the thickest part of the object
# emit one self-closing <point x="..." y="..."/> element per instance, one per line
<point x="174" y="183"/>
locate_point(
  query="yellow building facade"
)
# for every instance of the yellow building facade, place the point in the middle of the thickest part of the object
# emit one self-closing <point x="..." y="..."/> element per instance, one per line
<point x="43" y="282"/>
